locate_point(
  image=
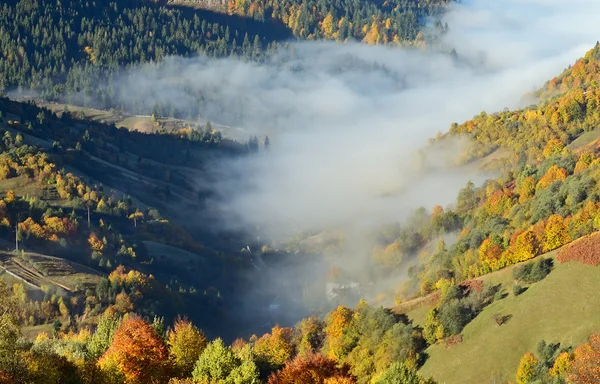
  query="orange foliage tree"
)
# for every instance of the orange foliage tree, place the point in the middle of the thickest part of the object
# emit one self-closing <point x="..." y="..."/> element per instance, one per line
<point x="138" y="353"/>
<point x="5" y="378"/>
<point x="585" y="367"/>
<point x="489" y="255"/>
<point x="311" y="369"/>
<point x="553" y="174"/>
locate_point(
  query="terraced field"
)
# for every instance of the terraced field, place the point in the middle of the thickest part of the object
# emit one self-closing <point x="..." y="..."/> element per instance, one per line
<point x="37" y="270"/>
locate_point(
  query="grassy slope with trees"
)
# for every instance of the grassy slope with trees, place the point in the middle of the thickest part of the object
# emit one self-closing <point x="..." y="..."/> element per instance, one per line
<point x="63" y="167"/>
<point x="562" y="308"/>
<point x="56" y="171"/>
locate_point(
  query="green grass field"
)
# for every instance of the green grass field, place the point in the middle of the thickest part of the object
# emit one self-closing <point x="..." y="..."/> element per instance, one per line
<point x="564" y="307"/>
<point x="584" y="139"/>
<point x="169" y="254"/>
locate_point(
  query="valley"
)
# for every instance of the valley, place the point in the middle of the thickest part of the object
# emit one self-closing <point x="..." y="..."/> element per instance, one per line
<point x="299" y="192"/>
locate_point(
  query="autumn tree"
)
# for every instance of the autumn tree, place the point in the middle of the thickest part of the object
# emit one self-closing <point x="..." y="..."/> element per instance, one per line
<point x="433" y="330"/>
<point x="586" y="360"/>
<point x="138" y="353"/>
<point x="562" y="365"/>
<point x="219" y="364"/>
<point x="525" y="246"/>
<point x="95" y="243"/>
<point x="327" y="26"/>
<point x="553" y="147"/>
<point x="186" y="343"/>
<point x="553" y="174"/>
<point x="556" y="233"/>
<point x="5" y="378"/>
<point x="275" y="349"/>
<point x="123" y="304"/>
<point x="310" y="369"/>
<point x="526" y="189"/>
<point x="336" y="322"/>
<point x="10" y="197"/>
<point x="48" y="367"/>
<point x="490" y="253"/>
<point x="400" y="373"/>
<point x="526" y="369"/>
<point x="136" y="216"/>
<point x="309" y="335"/>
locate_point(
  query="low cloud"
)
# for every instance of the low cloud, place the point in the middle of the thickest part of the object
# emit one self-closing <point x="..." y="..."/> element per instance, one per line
<point x="346" y="121"/>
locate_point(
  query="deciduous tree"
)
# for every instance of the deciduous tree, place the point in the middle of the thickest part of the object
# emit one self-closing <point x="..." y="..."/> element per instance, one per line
<point x="586" y="362"/>
<point x="186" y="343"/>
<point x="526" y="369"/>
<point x="310" y="369"/>
<point x="138" y="353"/>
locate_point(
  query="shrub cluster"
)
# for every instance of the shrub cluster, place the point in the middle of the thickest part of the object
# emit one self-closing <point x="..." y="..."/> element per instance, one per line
<point x="533" y="271"/>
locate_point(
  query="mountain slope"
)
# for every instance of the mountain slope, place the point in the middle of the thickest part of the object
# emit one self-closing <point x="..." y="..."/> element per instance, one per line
<point x="562" y="308"/>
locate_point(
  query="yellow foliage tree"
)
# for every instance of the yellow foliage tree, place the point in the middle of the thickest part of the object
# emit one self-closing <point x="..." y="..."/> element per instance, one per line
<point x="553" y="147"/>
<point x="186" y="343"/>
<point x="373" y="36"/>
<point x="525" y="247"/>
<point x="10" y="197"/>
<point x="526" y="368"/>
<point x="95" y="243"/>
<point x="556" y="233"/>
<point x="526" y="189"/>
<point x="327" y="26"/>
<point x="562" y="364"/>
<point x="490" y="254"/>
<point x="277" y="348"/>
<point x="336" y="322"/>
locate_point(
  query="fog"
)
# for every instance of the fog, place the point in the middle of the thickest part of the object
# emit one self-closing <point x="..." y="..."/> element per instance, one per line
<point x="346" y="121"/>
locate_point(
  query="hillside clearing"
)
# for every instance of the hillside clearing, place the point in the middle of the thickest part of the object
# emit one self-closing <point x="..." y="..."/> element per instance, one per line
<point x="585" y="140"/>
<point x="169" y="254"/>
<point x="546" y="311"/>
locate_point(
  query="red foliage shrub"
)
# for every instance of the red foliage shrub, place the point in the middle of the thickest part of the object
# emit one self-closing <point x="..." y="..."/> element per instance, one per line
<point x="453" y="340"/>
<point x="5" y="379"/>
<point x="585" y="251"/>
<point x="469" y="286"/>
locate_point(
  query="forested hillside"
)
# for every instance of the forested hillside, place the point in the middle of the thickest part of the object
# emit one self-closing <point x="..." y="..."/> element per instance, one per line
<point x="65" y="47"/>
<point x="102" y="197"/>
<point x="373" y="22"/>
<point x="548" y="196"/>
